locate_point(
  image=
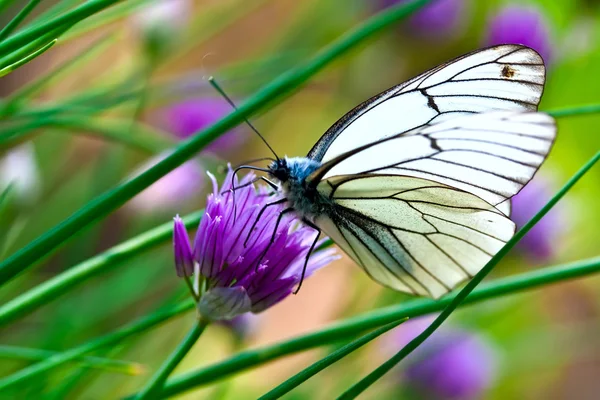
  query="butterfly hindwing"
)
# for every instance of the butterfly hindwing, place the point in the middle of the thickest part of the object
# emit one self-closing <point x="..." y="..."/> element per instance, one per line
<point x="492" y="155"/>
<point x="411" y="234"/>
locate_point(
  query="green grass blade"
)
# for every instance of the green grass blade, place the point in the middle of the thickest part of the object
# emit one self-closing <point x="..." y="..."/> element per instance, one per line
<point x="374" y="376"/>
<point x="116" y="197"/>
<point x="134" y="328"/>
<point x="16" y="21"/>
<point x="68" y="19"/>
<point x="10" y="68"/>
<point x="33" y="88"/>
<point x="155" y="383"/>
<point x="348" y="328"/>
<point x="325" y="362"/>
<point x="575" y="111"/>
<point x="53" y="288"/>
<point x="105" y="364"/>
<point x="133" y="134"/>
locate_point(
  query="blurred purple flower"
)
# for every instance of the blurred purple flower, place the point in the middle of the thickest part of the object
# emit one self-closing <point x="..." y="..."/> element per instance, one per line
<point x="521" y="25"/>
<point x="188" y="117"/>
<point x="242" y="326"/>
<point x="540" y="241"/>
<point x="163" y="15"/>
<point x="437" y="19"/>
<point x="184" y="119"/>
<point x="170" y="191"/>
<point x="236" y="282"/>
<point x="18" y="168"/>
<point x="451" y="364"/>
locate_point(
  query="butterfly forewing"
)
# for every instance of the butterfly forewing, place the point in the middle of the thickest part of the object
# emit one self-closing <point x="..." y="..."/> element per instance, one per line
<point x="506" y="77"/>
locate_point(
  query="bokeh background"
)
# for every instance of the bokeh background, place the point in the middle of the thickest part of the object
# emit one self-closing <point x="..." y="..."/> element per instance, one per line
<point x="142" y="87"/>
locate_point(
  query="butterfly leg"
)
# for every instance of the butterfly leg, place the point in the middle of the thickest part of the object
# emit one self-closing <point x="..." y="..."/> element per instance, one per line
<point x="274" y="234"/>
<point x="262" y="211"/>
<point x="312" y="247"/>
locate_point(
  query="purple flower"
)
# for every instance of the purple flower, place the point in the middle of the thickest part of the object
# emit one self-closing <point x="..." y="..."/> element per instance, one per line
<point x="242" y="326"/>
<point x="521" y="25"/>
<point x="451" y="364"/>
<point x="540" y="241"/>
<point x="437" y="19"/>
<point x="252" y="276"/>
<point x="188" y="117"/>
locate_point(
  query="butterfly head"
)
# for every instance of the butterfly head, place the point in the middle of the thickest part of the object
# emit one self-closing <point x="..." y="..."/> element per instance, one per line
<point x="295" y="169"/>
<point x="280" y="170"/>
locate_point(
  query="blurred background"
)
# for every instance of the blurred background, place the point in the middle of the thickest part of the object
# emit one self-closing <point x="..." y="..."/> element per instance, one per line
<point x="141" y="86"/>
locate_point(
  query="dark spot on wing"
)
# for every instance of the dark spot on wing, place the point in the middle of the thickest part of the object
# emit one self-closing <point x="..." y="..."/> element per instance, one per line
<point x="508" y="71"/>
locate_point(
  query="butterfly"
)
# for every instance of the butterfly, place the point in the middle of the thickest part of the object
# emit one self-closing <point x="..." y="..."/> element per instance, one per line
<point x="415" y="183"/>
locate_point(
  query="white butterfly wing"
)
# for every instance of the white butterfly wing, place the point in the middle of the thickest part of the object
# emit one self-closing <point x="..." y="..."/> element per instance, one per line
<point x="411" y="234"/>
<point x="491" y="155"/>
<point x="505" y="77"/>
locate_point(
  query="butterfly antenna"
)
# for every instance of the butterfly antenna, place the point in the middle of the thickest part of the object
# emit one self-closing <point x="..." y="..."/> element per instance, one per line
<point x="234" y="188"/>
<point x="218" y="88"/>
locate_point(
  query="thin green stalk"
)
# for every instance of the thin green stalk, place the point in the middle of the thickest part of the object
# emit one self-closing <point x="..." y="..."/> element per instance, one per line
<point x="12" y="25"/>
<point x="32" y="88"/>
<point x="156" y="383"/>
<point x="10" y="68"/>
<point x="107" y="202"/>
<point x="30" y="48"/>
<point x="575" y="111"/>
<point x="137" y="327"/>
<point x="367" y="381"/>
<point x="325" y="362"/>
<point x="348" y="328"/>
<point x="52" y="289"/>
<point x="133" y="134"/>
<point x="105" y="364"/>
<point x="69" y="19"/>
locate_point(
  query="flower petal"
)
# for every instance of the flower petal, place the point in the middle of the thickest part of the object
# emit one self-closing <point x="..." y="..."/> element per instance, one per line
<point x="224" y="303"/>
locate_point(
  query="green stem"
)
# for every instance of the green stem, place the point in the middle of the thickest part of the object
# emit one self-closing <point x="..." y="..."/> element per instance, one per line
<point x="134" y="134"/>
<point x="367" y="381"/>
<point x="53" y="288"/>
<point x="350" y="327"/>
<point x="70" y="18"/>
<point x="134" y="328"/>
<point x="12" y="25"/>
<point x="106" y="364"/>
<point x="102" y="205"/>
<point x="10" y="68"/>
<point x="325" y="362"/>
<point x="574" y="111"/>
<point x="156" y="383"/>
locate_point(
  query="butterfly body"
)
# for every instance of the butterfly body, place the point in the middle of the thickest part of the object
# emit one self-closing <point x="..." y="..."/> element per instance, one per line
<point x="292" y="173"/>
<point x="415" y="183"/>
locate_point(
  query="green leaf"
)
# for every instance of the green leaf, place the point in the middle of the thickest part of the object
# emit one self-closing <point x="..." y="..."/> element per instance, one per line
<point x="575" y="111"/>
<point x="367" y="381"/>
<point x="155" y="383"/>
<point x="12" y="25"/>
<point x="106" y="364"/>
<point x="133" y="134"/>
<point x="34" y="87"/>
<point x="325" y="362"/>
<point x="10" y="68"/>
<point x="348" y="328"/>
<point x="134" y="328"/>
<point x="64" y="21"/>
<point x="112" y="258"/>
<point x="112" y="199"/>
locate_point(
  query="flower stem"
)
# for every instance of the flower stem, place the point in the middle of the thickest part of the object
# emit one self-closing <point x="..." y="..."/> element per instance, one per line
<point x="367" y="381"/>
<point x="155" y="384"/>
